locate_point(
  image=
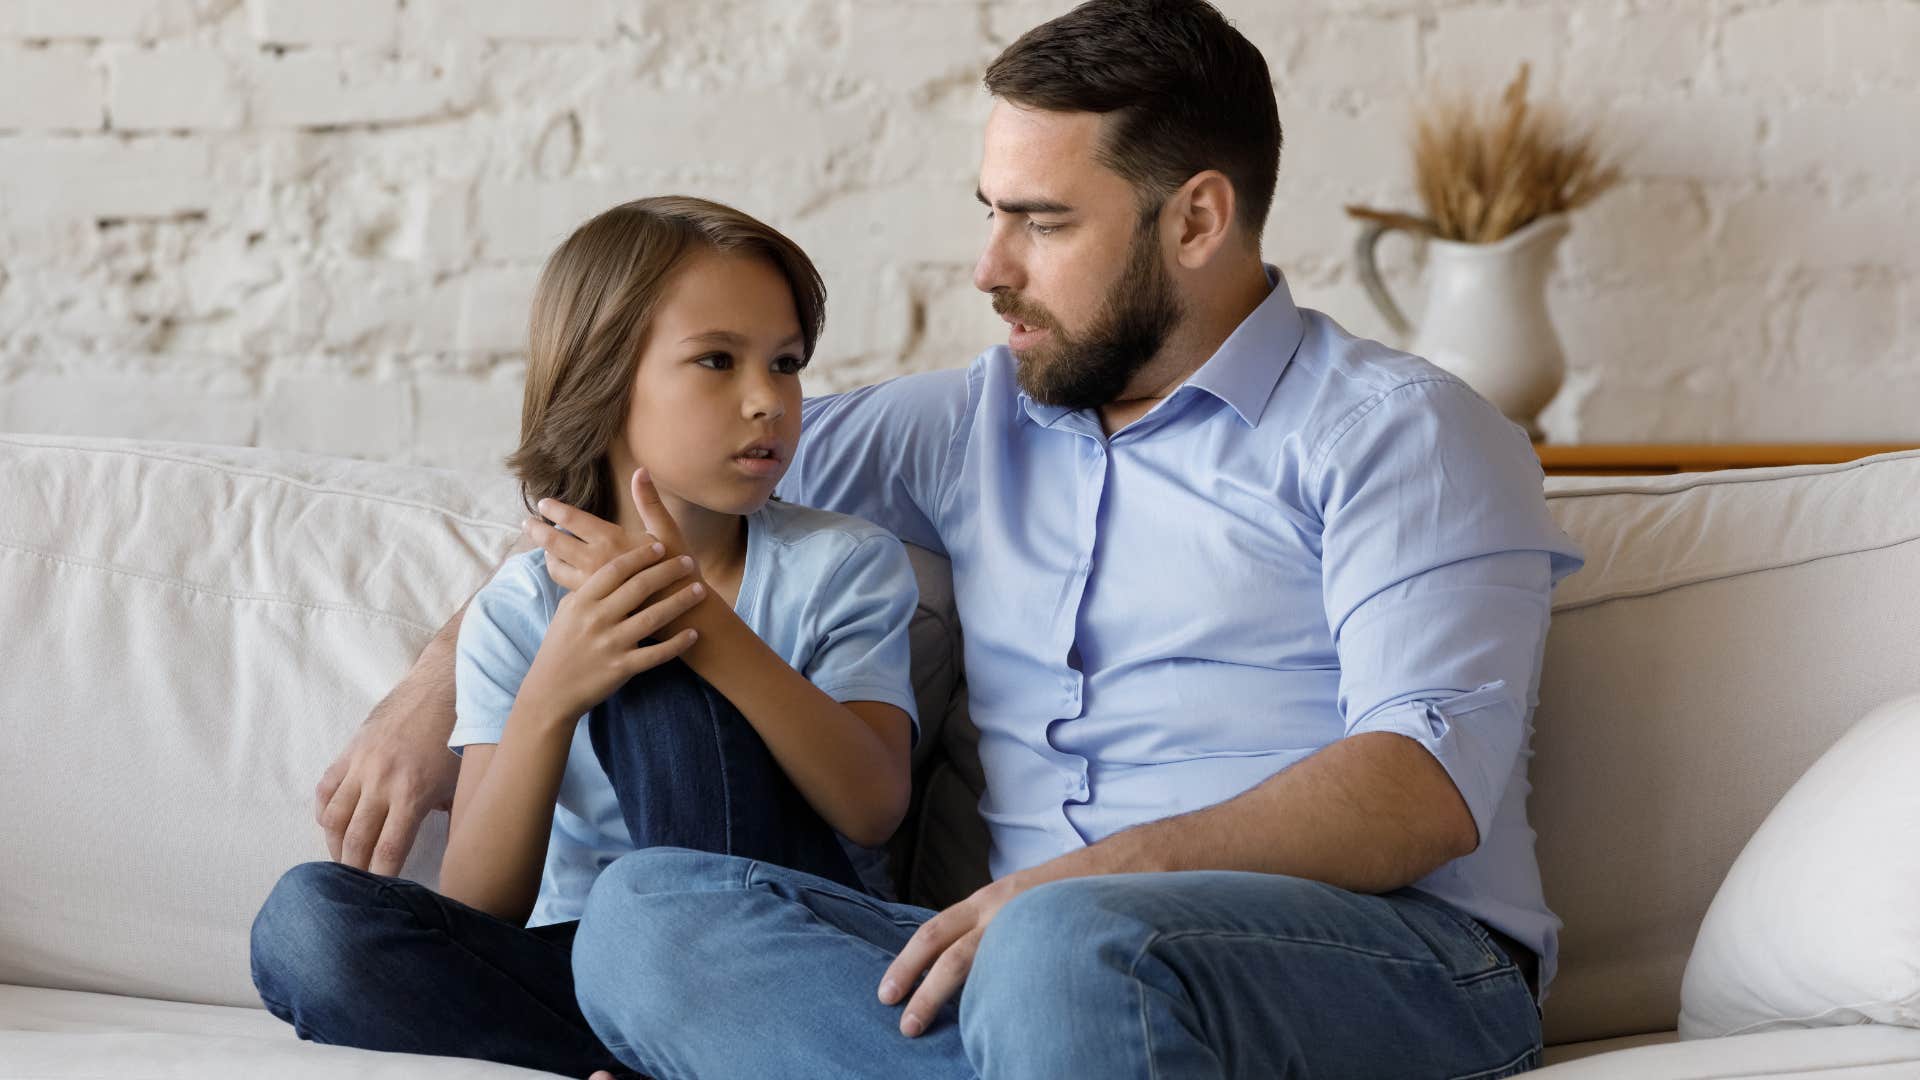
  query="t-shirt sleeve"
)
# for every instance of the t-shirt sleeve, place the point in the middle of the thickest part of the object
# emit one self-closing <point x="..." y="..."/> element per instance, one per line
<point x="499" y="636"/>
<point x="861" y="624"/>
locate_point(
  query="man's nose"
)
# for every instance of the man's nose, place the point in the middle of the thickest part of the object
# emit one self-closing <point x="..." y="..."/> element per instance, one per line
<point x="997" y="269"/>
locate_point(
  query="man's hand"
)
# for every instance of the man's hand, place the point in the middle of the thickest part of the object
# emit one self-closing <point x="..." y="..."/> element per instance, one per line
<point x="590" y="542"/>
<point x="943" y="949"/>
<point x="397" y="767"/>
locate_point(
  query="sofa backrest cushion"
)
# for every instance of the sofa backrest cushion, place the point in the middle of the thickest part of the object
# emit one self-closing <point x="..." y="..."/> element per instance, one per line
<point x="189" y="634"/>
<point x="1727" y="628"/>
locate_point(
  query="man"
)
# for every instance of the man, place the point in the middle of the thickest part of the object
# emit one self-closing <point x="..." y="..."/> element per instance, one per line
<point x="1253" y="614"/>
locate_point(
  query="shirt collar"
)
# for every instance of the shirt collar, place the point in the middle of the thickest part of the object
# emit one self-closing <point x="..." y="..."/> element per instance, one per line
<point x="1243" y="371"/>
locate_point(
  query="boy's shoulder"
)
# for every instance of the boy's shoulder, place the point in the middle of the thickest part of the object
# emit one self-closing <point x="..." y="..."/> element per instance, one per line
<point x="521" y="581"/>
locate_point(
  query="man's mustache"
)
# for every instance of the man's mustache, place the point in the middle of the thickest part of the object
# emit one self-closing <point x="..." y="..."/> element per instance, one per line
<point x="1016" y="308"/>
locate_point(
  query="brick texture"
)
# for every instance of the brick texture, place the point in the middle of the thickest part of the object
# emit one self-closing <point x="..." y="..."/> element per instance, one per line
<point x="315" y="223"/>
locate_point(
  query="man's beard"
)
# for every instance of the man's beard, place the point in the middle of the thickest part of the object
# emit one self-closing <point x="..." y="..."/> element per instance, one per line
<point x="1094" y="368"/>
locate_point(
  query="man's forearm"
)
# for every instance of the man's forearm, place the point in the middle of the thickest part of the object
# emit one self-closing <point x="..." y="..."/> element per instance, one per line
<point x="1369" y="813"/>
<point x="426" y="695"/>
<point x="427" y="690"/>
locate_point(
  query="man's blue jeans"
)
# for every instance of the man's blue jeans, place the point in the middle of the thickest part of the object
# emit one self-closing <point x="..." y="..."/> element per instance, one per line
<point x="690" y="964"/>
<point x="357" y="959"/>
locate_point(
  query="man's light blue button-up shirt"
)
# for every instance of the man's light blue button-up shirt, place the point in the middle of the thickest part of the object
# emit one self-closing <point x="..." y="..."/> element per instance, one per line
<point x="1314" y="536"/>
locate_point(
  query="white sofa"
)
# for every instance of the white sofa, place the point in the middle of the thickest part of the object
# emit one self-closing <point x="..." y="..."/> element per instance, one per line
<point x="190" y="633"/>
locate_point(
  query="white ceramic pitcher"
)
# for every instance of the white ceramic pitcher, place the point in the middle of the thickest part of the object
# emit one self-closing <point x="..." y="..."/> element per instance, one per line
<point x="1486" y="317"/>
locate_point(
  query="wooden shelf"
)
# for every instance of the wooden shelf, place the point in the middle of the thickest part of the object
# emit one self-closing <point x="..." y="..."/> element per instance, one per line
<point x="1653" y="459"/>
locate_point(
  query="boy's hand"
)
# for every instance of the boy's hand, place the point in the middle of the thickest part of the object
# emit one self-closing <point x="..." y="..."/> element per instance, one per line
<point x="594" y="542"/>
<point x="593" y="645"/>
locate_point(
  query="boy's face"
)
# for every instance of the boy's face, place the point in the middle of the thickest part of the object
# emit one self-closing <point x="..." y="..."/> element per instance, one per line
<point x="717" y="382"/>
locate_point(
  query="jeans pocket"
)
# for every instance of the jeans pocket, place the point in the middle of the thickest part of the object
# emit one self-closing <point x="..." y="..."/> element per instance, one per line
<point x="1470" y="953"/>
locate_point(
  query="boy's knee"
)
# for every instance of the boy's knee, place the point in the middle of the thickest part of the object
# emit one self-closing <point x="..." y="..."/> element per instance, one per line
<point x="302" y="940"/>
<point x="630" y="967"/>
<point x="651" y="870"/>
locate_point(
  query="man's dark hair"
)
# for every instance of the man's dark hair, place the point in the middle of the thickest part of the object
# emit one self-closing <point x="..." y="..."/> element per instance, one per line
<point x="1187" y="92"/>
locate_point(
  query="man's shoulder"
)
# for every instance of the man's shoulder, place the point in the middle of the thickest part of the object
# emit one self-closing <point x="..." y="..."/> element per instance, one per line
<point x="1338" y="379"/>
<point x="1352" y="372"/>
<point x="821" y="536"/>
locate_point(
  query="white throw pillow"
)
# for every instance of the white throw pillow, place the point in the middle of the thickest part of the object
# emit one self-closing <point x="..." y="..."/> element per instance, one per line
<point x="1818" y="922"/>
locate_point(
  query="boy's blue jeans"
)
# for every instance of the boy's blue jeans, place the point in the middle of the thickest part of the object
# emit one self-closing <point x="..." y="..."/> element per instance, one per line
<point x="353" y="958"/>
<point x="693" y="963"/>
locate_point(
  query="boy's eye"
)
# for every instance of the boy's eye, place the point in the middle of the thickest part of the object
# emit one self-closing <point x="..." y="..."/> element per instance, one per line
<point x="790" y="365"/>
<point x="716" y="361"/>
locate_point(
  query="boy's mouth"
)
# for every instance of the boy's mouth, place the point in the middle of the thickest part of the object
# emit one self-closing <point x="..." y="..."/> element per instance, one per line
<point x="761" y="459"/>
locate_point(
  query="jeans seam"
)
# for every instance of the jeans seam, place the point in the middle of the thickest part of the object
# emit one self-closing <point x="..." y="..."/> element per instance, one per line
<point x="1288" y="939"/>
<point x="1507" y="968"/>
<point x="871" y="904"/>
<point x="1140" y="989"/>
<point x="726" y="782"/>
<point x="747" y="882"/>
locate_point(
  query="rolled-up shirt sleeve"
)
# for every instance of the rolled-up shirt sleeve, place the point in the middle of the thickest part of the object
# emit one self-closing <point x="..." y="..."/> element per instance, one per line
<point x="1438" y="565"/>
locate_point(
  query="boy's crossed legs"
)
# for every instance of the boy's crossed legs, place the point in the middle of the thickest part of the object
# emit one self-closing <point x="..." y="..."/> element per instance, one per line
<point x="353" y="958"/>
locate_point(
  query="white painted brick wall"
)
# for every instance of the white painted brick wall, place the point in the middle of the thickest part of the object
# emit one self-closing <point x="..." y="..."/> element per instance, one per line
<point x="50" y="88"/>
<point x="315" y="223"/>
<point x="186" y="87"/>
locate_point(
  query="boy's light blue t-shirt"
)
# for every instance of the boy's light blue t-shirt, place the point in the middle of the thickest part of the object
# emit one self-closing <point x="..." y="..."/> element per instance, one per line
<point x="832" y="594"/>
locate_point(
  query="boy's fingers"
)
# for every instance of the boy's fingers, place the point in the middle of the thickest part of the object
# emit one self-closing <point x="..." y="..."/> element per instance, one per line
<point x="633" y="592"/>
<point x="611" y="576"/>
<point x="563" y="546"/>
<point x="589" y="528"/>
<point x="646" y="499"/>
<point x="649" y="620"/>
<point x="648" y="657"/>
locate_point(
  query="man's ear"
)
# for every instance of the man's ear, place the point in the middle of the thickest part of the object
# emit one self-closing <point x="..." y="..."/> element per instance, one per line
<point x="1203" y="216"/>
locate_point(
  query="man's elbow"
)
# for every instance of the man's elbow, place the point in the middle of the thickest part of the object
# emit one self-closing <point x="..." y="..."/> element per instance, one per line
<point x="1447" y="824"/>
<point x="1460" y="836"/>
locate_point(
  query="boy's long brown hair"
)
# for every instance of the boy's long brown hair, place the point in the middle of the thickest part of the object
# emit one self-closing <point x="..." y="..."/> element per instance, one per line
<point x="591" y="311"/>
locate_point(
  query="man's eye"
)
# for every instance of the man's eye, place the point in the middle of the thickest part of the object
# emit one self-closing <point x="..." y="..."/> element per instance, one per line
<point x="1038" y="229"/>
<point x="716" y="361"/>
<point x="790" y="365"/>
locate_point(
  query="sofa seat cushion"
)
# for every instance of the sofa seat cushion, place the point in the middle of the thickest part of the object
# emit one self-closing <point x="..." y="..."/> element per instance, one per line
<point x="57" y="1034"/>
<point x="1860" y="1052"/>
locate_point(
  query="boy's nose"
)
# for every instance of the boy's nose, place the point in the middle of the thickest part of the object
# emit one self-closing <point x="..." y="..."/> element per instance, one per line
<point x="764" y="406"/>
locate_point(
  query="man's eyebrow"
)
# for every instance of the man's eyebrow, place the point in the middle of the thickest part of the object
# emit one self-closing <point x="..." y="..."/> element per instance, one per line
<point x="729" y="338"/>
<point x="1024" y="206"/>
